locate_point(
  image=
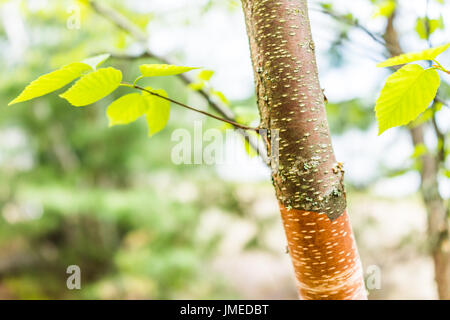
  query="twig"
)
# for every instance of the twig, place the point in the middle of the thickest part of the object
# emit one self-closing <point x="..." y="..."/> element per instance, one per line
<point x="355" y="23"/>
<point x="233" y="123"/>
<point x="377" y="38"/>
<point x="125" y="25"/>
<point x="440" y="136"/>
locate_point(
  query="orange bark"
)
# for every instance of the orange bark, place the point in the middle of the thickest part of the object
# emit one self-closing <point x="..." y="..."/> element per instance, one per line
<point x="324" y="256"/>
<point x="307" y="178"/>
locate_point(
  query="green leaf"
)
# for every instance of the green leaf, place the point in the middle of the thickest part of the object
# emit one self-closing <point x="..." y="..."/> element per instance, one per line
<point x="197" y="86"/>
<point x="419" y="150"/>
<point x="93" y="87"/>
<point x="326" y="6"/>
<point x="426" y="115"/>
<point x="385" y="9"/>
<point x="428" y="54"/>
<point x="221" y="96"/>
<point x="446" y="173"/>
<point x="96" y="61"/>
<point x="127" y="109"/>
<point x="406" y="94"/>
<point x="52" y="81"/>
<point x="158" y="112"/>
<point x="205" y="75"/>
<point x="433" y="24"/>
<point x="157" y="70"/>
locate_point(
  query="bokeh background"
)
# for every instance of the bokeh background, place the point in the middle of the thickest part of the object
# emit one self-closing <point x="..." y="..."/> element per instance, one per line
<point x="111" y="200"/>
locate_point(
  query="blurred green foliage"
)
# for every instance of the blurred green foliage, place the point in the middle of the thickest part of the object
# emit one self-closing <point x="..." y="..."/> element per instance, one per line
<point x="110" y="200"/>
<point x="77" y="192"/>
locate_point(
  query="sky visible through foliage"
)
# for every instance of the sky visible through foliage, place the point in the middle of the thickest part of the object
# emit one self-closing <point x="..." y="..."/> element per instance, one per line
<point x="71" y="181"/>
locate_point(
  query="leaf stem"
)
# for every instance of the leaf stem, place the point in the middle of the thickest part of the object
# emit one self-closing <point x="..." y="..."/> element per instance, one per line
<point x="233" y="123"/>
<point x="440" y="67"/>
<point x="137" y="79"/>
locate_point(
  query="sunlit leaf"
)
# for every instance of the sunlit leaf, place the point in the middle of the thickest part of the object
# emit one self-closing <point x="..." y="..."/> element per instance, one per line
<point x="433" y="24"/>
<point x="127" y="109"/>
<point x="205" y="75"/>
<point x="426" y="115"/>
<point x="406" y="94"/>
<point x="96" y="61"/>
<point x="158" y="112"/>
<point x="221" y="96"/>
<point x="385" y="9"/>
<point x="93" y="87"/>
<point x="427" y="54"/>
<point x="326" y="6"/>
<point x="52" y="81"/>
<point x="157" y="70"/>
<point x="197" y="86"/>
<point x="419" y="150"/>
<point x="446" y="173"/>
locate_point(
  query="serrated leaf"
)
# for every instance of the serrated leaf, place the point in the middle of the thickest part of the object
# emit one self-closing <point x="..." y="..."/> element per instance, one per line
<point x="52" y="81"/>
<point x="127" y="109"/>
<point x="406" y="94"/>
<point x="426" y="115"/>
<point x="93" y="87"/>
<point x="96" y="61"/>
<point x="158" y="112"/>
<point x="158" y="70"/>
<point x="427" y="54"/>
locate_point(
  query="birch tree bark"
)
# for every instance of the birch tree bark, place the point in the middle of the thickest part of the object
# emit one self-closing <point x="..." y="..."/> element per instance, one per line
<point x="307" y="178"/>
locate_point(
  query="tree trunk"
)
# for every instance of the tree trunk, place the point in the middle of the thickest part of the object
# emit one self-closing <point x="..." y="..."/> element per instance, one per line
<point x="438" y="231"/>
<point x="307" y="179"/>
<point x="438" y="216"/>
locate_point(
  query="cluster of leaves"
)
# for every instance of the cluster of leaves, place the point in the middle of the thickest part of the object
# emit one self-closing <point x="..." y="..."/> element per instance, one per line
<point x="95" y="84"/>
<point x="409" y="91"/>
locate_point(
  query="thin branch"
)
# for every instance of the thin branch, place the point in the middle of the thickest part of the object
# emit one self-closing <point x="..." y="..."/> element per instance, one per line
<point x="443" y="102"/>
<point x="354" y="22"/>
<point x="127" y="26"/>
<point x="119" y="20"/>
<point x="427" y="24"/>
<point x="377" y="38"/>
<point x="233" y="123"/>
<point x="440" y="136"/>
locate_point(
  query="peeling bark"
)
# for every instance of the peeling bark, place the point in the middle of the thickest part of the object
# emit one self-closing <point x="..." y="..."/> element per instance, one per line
<point x="307" y="178"/>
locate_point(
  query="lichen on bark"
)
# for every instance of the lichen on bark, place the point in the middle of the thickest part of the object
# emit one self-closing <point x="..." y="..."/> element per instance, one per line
<point x="307" y="178"/>
<point x="291" y="101"/>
